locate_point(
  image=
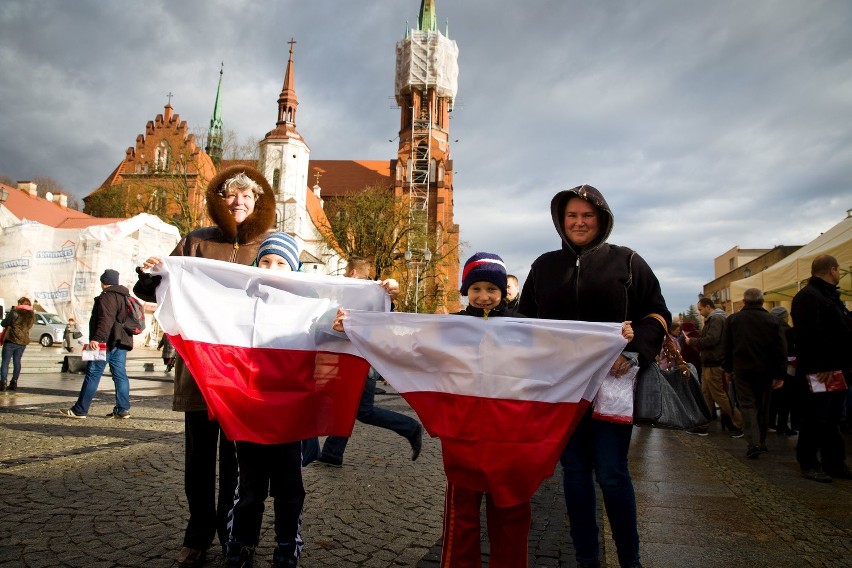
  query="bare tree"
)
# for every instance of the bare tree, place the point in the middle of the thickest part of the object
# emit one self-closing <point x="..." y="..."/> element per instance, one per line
<point x="372" y="223"/>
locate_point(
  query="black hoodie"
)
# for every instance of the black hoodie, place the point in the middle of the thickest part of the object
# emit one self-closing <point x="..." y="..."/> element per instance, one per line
<point x="600" y="282"/>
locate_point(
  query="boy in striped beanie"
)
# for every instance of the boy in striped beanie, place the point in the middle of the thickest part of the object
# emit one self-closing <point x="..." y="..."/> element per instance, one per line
<point x="269" y="469"/>
<point x="279" y="251"/>
<point x="484" y="283"/>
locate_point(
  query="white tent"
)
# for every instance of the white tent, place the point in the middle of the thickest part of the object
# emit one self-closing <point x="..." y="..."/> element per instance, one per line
<point x="782" y="280"/>
<point x="60" y="268"/>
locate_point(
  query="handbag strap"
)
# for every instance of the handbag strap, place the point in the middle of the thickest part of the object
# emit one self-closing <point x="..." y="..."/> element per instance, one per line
<point x="672" y="352"/>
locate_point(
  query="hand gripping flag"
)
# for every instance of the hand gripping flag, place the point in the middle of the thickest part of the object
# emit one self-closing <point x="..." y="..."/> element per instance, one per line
<point x="260" y="346"/>
<point x="502" y="394"/>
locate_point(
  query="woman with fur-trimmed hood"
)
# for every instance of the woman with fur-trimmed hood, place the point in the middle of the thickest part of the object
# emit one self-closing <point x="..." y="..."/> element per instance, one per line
<point x="241" y="203"/>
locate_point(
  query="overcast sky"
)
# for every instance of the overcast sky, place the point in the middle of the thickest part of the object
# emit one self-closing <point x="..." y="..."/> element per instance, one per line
<point x="706" y="125"/>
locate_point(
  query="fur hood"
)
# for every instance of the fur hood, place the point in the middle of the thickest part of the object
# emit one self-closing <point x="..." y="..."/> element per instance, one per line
<point x="256" y="224"/>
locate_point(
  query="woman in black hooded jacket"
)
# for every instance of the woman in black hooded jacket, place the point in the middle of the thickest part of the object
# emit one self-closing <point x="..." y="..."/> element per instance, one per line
<point x="588" y="279"/>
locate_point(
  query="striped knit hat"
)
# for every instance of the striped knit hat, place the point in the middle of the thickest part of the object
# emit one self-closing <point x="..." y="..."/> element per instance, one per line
<point x="284" y="246"/>
<point x="484" y="267"/>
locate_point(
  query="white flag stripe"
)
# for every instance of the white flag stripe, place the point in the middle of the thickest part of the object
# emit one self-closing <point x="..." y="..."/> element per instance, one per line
<point x="505" y="358"/>
<point x="224" y="303"/>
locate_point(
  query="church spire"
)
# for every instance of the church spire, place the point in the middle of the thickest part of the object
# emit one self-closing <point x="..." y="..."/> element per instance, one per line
<point x="214" y="135"/>
<point x="287" y="101"/>
<point x="427" y="21"/>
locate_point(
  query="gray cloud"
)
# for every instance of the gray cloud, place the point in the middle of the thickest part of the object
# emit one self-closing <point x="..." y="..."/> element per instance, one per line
<point x="706" y="125"/>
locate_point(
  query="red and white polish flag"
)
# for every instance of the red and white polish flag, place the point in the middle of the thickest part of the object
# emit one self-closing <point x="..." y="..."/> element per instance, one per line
<point x="502" y="394"/>
<point x="260" y="346"/>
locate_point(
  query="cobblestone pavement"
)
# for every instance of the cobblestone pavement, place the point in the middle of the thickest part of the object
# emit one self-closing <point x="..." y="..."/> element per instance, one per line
<point x="109" y="493"/>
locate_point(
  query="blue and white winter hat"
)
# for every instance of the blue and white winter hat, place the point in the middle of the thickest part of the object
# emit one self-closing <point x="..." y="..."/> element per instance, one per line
<point x="284" y="246"/>
<point x="484" y="267"/>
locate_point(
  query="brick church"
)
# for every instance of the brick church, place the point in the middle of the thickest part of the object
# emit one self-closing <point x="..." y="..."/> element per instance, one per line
<point x="166" y="171"/>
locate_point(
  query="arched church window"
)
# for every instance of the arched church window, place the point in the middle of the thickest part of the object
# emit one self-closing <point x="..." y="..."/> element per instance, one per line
<point x="440" y="172"/>
<point x="161" y="157"/>
<point x="408" y="170"/>
<point x="276" y="179"/>
<point x="432" y="167"/>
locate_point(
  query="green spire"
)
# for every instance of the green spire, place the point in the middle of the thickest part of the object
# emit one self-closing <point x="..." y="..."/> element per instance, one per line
<point x="214" y="135"/>
<point x="427" y="21"/>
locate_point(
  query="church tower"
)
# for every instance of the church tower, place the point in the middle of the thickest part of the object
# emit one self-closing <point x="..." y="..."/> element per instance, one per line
<point x="425" y="88"/>
<point x="284" y="160"/>
<point x="214" y="135"/>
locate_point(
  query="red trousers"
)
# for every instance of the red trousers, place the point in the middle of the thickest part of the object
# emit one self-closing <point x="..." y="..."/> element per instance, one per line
<point x="508" y="531"/>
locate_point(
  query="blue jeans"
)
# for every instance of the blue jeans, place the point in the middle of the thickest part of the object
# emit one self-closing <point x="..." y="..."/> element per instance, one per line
<point x="11" y="352"/>
<point x="403" y="425"/>
<point x="601" y="448"/>
<point x="117" y="359"/>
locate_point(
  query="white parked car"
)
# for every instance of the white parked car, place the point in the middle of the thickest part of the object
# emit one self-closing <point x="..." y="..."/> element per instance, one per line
<point x="48" y="329"/>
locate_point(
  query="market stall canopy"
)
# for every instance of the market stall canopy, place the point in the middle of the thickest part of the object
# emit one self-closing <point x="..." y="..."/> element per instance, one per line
<point x="782" y="280"/>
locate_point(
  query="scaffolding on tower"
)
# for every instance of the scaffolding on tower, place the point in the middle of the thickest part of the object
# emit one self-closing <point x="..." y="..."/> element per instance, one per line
<point x="426" y="65"/>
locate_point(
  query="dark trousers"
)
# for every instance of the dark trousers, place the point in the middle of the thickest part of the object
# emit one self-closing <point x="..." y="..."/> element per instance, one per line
<point x="785" y="405"/>
<point x="269" y="469"/>
<point x="753" y="400"/>
<point x="208" y="516"/>
<point x="598" y="450"/>
<point x="820" y="440"/>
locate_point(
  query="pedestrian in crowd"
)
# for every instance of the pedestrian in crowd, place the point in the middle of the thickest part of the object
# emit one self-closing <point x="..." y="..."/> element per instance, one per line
<point x="16" y="335"/>
<point x="512" y="293"/>
<point x="713" y="384"/>
<point x="368" y="413"/>
<point x="588" y="279"/>
<point x="823" y="338"/>
<point x="785" y="403"/>
<point x="105" y="328"/>
<point x="72" y="332"/>
<point x="755" y="353"/>
<point x="674" y="334"/>
<point x="689" y="352"/>
<point x="168" y="353"/>
<point x="241" y="204"/>
<point x="269" y="469"/>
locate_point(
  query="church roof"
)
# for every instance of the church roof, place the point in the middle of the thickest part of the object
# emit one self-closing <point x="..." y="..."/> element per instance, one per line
<point x="33" y="208"/>
<point x="339" y="178"/>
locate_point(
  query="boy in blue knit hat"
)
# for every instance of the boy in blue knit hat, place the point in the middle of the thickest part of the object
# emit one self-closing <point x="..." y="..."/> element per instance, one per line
<point x="275" y="469"/>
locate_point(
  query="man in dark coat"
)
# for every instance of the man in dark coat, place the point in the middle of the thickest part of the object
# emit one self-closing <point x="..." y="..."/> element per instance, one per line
<point x="824" y="346"/>
<point x="104" y="328"/>
<point x="756" y="355"/>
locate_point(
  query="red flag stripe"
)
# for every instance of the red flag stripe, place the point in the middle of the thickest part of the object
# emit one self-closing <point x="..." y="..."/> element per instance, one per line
<point x="503" y="447"/>
<point x="272" y="396"/>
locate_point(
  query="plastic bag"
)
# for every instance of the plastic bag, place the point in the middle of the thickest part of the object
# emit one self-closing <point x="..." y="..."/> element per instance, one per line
<point x="614" y="401"/>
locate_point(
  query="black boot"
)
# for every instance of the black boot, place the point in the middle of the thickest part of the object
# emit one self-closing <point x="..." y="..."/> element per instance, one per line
<point x="13" y="386"/>
<point x="285" y="556"/>
<point x="239" y="556"/>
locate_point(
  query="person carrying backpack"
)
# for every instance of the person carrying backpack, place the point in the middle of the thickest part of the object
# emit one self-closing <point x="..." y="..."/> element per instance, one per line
<point x="107" y="325"/>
